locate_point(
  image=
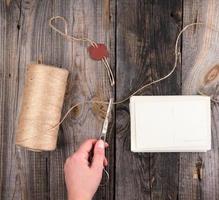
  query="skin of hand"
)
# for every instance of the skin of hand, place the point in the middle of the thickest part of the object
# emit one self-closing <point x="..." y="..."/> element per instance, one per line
<point x="83" y="177"/>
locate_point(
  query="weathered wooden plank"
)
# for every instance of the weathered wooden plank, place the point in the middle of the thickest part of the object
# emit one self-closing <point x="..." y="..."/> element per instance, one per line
<point x="14" y="175"/>
<point x="12" y="180"/>
<point x="200" y="49"/>
<point x="26" y="37"/>
<point x="87" y="81"/>
<point x="2" y="90"/>
<point x="32" y="172"/>
<point x="28" y="175"/>
<point x="145" y="51"/>
<point x="132" y="170"/>
<point x="164" y="167"/>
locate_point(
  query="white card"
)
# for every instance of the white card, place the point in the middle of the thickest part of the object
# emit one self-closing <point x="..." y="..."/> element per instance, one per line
<point x="170" y="123"/>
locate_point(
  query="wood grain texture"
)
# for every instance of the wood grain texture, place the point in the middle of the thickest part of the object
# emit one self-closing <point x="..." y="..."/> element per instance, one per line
<point x="13" y="185"/>
<point x="26" y="37"/>
<point x="87" y="81"/>
<point x="145" y="41"/>
<point x="199" y="55"/>
<point x="140" y="35"/>
<point x="26" y="172"/>
<point x="2" y="90"/>
<point x="167" y="20"/>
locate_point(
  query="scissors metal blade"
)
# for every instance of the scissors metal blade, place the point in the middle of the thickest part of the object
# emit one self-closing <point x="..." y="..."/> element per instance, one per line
<point x="106" y="121"/>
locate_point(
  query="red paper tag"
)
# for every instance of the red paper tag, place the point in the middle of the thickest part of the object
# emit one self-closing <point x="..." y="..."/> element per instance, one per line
<point x="99" y="52"/>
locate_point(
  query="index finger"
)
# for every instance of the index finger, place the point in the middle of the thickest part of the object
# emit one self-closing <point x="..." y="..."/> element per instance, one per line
<point x="87" y="146"/>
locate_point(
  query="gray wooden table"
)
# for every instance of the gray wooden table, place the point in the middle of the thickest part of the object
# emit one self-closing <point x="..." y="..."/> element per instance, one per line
<point x="140" y="36"/>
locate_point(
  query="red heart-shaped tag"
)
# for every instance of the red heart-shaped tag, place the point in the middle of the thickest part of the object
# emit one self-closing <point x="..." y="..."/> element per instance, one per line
<point x="99" y="52"/>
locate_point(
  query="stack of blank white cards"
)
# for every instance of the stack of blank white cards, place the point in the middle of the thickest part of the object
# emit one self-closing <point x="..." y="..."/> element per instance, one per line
<point x="170" y="123"/>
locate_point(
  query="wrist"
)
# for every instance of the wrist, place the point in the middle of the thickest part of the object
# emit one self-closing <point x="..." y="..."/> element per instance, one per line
<point x="78" y="198"/>
<point x="69" y="198"/>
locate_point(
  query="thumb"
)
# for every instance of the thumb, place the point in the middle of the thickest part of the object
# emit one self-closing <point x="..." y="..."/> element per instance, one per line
<point x="99" y="155"/>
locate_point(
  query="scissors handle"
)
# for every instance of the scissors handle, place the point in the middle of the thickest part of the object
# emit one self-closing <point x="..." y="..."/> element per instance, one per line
<point x="107" y="178"/>
<point x="102" y="137"/>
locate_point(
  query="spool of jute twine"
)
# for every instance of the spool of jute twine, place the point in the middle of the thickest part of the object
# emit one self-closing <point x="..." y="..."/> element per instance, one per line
<point x="42" y="101"/>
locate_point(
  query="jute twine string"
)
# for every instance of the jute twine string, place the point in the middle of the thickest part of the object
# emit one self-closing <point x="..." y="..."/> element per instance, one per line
<point x="83" y="39"/>
<point x="148" y="84"/>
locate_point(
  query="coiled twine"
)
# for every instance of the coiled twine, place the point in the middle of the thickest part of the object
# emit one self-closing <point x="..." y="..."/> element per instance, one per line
<point x="42" y="102"/>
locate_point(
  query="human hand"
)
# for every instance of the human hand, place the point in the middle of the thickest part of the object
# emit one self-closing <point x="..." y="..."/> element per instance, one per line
<point x="82" y="177"/>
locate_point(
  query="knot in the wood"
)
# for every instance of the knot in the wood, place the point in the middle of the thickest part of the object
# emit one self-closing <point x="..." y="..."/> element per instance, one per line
<point x="99" y="110"/>
<point x="212" y="74"/>
<point x="76" y="111"/>
<point x="210" y="84"/>
<point x="198" y="171"/>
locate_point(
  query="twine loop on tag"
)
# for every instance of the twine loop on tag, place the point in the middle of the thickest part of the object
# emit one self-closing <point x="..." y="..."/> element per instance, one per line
<point x="83" y="39"/>
<point x="65" y="33"/>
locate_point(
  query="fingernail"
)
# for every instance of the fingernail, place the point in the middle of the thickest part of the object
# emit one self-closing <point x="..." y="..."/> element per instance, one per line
<point x="100" y="144"/>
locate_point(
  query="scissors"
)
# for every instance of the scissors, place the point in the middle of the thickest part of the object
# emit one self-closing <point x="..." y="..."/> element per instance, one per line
<point x="104" y="133"/>
<point x="106" y="121"/>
